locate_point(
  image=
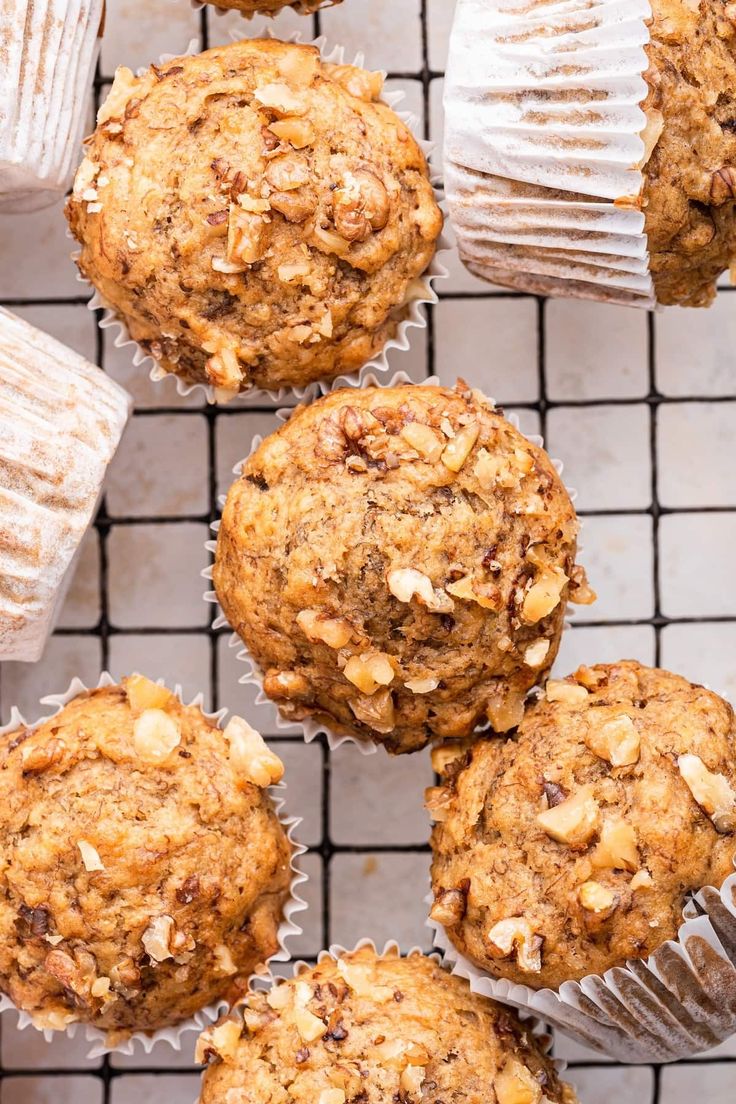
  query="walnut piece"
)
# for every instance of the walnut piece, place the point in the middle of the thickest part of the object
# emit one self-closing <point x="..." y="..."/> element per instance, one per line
<point x="309" y="1026"/>
<point x="281" y="99"/>
<point x="360" y="205"/>
<point x="515" y="1084"/>
<point x="574" y="821"/>
<point x="615" y="740"/>
<point x="459" y="448"/>
<point x="617" y="848"/>
<point x="285" y="684"/>
<point x="335" y="632"/>
<point x="90" y="857"/>
<point x="143" y="694"/>
<point x="544" y="595"/>
<point x="155" y="735"/>
<point x="297" y="132"/>
<point x="517" y="934"/>
<point x="369" y="671"/>
<point x="562" y="690"/>
<point x="713" y="792"/>
<point x="597" y="898"/>
<point x="36" y="759"/>
<point x="247" y="236"/>
<point x="641" y="880"/>
<point x="422" y="685"/>
<point x="465" y="590"/>
<point x="449" y="907"/>
<point x="250" y="756"/>
<point x="406" y="583"/>
<point x="411" y="1081"/>
<point x="360" y="83"/>
<point x="222" y="1038"/>
<point x="536" y="653"/>
<point x="376" y="711"/>
<point x="424" y="440"/>
<point x="156" y="939"/>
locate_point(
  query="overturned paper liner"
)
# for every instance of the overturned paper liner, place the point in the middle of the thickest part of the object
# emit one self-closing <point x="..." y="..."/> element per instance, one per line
<point x="418" y="292"/>
<point x="675" y="1004"/>
<point x="172" y="1035"/>
<point x="544" y="147"/>
<point x="253" y="675"/>
<point x="49" y="54"/>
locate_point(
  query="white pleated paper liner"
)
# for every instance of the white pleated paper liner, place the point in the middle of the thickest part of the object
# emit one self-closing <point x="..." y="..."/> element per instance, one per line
<point x="303" y="7"/>
<point x="175" y="1034"/>
<point x="408" y="314"/>
<point x="48" y="52"/>
<point x="676" y="1004"/>
<point x="544" y="148"/>
<point x="253" y="675"/>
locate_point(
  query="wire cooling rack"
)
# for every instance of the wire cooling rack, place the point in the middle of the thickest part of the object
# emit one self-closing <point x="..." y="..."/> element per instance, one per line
<point x="634" y="404"/>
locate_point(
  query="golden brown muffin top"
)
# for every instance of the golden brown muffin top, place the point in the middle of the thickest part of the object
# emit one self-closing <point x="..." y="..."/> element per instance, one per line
<point x="690" y="194"/>
<point x="271" y="7"/>
<point x="254" y="214"/>
<point x="375" y="1028"/>
<point x="572" y="847"/>
<point x="398" y="561"/>
<point x="142" y="866"/>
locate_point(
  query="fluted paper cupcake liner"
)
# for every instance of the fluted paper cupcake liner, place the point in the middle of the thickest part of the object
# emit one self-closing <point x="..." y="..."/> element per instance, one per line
<point x="253" y="675"/>
<point x="173" y="1035"/>
<point x="675" y="1004"/>
<point x="544" y="148"/>
<point x="409" y="314"/>
<point x="48" y="51"/>
<point x="308" y="7"/>
<point x="61" y="420"/>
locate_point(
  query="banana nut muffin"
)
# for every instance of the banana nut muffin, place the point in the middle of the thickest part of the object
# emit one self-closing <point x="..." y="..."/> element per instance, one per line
<point x="573" y="847"/>
<point x="254" y="215"/>
<point x="271" y="7"/>
<point x="398" y="561"/>
<point x="690" y="193"/>
<point x="375" y="1028"/>
<point x="143" y="868"/>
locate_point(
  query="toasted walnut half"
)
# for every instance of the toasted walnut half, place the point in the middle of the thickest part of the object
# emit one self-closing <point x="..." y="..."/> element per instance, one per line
<point x="617" y="848"/>
<point x="574" y="821"/>
<point x="222" y="1039"/>
<point x="515" y="1084"/>
<point x="597" y="898"/>
<point x="713" y="792"/>
<point x="449" y="907"/>
<point x="406" y="583"/>
<point x="517" y="935"/>
<point x="615" y="740"/>
<point x="250" y="756"/>
<point x="155" y="735"/>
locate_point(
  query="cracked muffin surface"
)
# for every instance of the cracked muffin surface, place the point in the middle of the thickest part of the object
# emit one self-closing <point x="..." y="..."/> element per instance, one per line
<point x="398" y="562"/>
<point x="254" y="215"/>
<point x="143" y="867"/>
<point x="573" y="847"/>
<point x="690" y="189"/>
<point x="375" y="1028"/>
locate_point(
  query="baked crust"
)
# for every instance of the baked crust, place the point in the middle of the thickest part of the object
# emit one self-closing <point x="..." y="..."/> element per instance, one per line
<point x="134" y="891"/>
<point x="379" y="589"/>
<point x="254" y="215"/>
<point x="271" y="7"/>
<point x="641" y="847"/>
<point x="375" y="1028"/>
<point x="690" y="193"/>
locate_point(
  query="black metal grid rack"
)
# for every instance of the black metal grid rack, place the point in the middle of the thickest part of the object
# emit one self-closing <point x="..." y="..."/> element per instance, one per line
<point x="651" y="1089"/>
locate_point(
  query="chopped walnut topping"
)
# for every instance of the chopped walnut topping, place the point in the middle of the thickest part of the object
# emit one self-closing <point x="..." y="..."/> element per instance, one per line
<point x="580" y="592"/>
<point x="437" y="801"/>
<point x="224" y="371"/>
<point x="574" y="821"/>
<point x="156" y="939"/>
<point x="449" y="907"/>
<point x="360" y="83"/>
<point x="37" y="758"/>
<point x="250" y="756"/>
<point x="297" y="132"/>
<point x="457" y="450"/>
<point x="506" y="712"/>
<point x="617" y="849"/>
<point x="406" y="583"/>
<point x="100" y="989"/>
<point x="517" y="935"/>
<point x="376" y="711"/>
<point x="615" y="740"/>
<point x="229" y="268"/>
<point x="332" y="1096"/>
<point x="292" y="273"/>
<point x="369" y="671"/>
<point x="713" y="792"/>
<point x="467" y="589"/>
<point x="565" y="691"/>
<point x="335" y="632"/>
<point x="309" y="1026"/>
<point x="536" y="653"/>
<point x="222" y="1038"/>
<point x="288" y="172"/>
<point x="544" y="595"/>
<point x="445" y="755"/>
<point x="597" y="898"/>
<point x="224" y="962"/>
<point x="515" y="1084"/>
<point x="155" y="735"/>
<point x="495" y="470"/>
<point x="281" y="99"/>
<point x="361" y="979"/>
<point x="247" y="236"/>
<point x="285" y="684"/>
<point x="143" y="694"/>
<point x="641" y="880"/>
<point x="360" y="205"/>
<point x="411" y="1081"/>
<point x="90" y="857"/>
<point x="422" y="685"/>
<point x="424" y="439"/>
<point x="651" y="133"/>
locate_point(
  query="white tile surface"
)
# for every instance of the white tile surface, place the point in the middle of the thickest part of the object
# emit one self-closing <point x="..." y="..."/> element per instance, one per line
<point x="595" y="351"/>
<point x="697" y="454"/>
<point x="379" y="896"/>
<point x="41" y="256"/>
<point x="81" y="608"/>
<point x="581" y="645"/>
<point x="385" y="31"/>
<point x="694" y="350"/>
<point x="602" y="1085"/>
<point x="704" y="653"/>
<point x="492" y="345"/>
<point x="155" y="575"/>
<point x="160" y="468"/>
<point x="684" y="1083"/>
<point x="48" y="1090"/>
<point x="65" y="658"/>
<point x="178" y="659"/>
<point x="697" y="565"/>
<point x="373" y="805"/>
<point x="617" y="554"/>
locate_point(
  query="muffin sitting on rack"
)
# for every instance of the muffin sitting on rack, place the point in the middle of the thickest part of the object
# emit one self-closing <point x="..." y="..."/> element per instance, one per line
<point x="398" y="561"/>
<point x="254" y="215"/>
<point x="144" y="869"/>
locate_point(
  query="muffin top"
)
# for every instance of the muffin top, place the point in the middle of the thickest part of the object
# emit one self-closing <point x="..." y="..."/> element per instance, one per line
<point x="143" y="868"/>
<point x="690" y="194"/>
<point x="375" y="1028"/>
<point x="398" y="561"/>
<point x="271" y="7"/>
<point x="254" y="215"/>
<point x="573" y="847"/>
